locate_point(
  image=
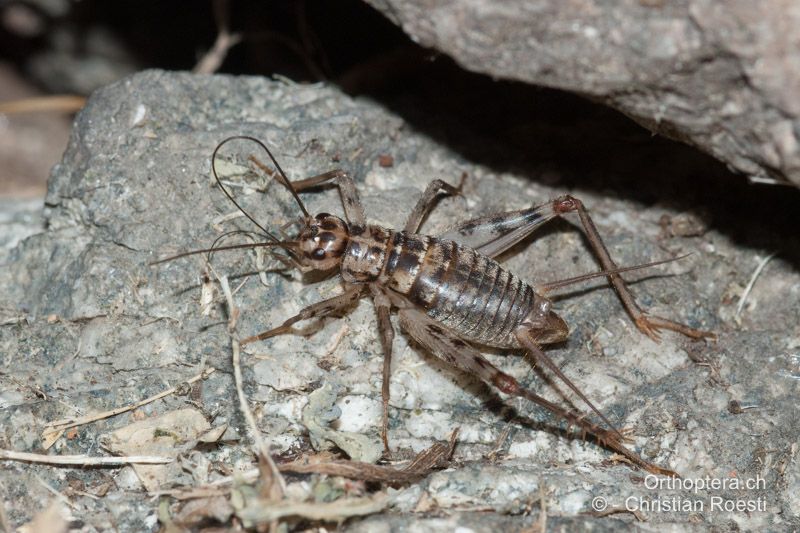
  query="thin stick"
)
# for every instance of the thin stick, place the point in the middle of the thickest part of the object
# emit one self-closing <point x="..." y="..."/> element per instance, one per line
<point x="261" y="446"/>
<point x="82" y="460"/>
<point x="62" y="103"/>
<point x="751" y="283"/>
<point x="769" y="181"/>
<point x="66" y="423"/>
<point x="213" y="59"/>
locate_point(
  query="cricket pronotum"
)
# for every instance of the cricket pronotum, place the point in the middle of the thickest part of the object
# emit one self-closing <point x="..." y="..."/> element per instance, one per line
<point x="450" y="294"/>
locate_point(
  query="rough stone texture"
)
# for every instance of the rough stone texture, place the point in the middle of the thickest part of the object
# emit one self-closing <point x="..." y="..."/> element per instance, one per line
<point x="19" y="218"/>
<point x="88" y="325"/>
<point x="722" y="76"/>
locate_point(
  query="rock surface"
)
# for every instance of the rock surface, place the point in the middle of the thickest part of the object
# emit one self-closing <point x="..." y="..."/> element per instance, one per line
<point x="721" y="76"/>
<point x="89" y="325"/>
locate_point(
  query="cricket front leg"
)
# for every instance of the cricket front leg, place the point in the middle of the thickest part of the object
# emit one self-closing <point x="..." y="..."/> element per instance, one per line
<point x="382" y="309"/>
<point x="353" y="208"/>
<point x="647" y="324"/>
<point x="425" y="202"/>
<point x="317" y="310"/>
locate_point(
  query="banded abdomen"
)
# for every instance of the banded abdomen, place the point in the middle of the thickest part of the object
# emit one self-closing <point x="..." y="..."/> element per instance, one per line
<point x="468" y="292"/>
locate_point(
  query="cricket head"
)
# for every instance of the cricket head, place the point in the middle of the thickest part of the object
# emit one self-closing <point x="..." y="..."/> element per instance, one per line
<point x="322" y="242"/>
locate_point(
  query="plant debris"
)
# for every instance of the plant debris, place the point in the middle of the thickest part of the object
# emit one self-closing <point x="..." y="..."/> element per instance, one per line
<point x="320" y="412"/>
<point x="167" y="435"/>
<point x="437" y="456"/>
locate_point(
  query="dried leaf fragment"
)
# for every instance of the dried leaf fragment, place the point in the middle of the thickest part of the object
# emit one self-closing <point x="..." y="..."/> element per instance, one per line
<point x="166" y="435"/>
<point x="320" y="412"/>
<point x="260" y="512"/>
<point x="437" y="456"/>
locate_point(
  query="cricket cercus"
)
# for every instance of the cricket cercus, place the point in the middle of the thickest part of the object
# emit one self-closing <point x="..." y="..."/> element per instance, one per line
<point x="451" y="295"/>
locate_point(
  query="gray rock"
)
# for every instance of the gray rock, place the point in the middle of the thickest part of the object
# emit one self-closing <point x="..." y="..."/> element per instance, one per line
<point x="18" y="219"/>
<point x="723" y="77"/>
<point x="89" y="325"/>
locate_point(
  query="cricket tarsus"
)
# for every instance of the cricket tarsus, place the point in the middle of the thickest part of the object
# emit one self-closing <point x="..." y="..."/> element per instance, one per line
<point x="450" y="293"/>
<point x="603" y="436"/>
<point x="317" y="310"/>
<point x="647" y="324"/>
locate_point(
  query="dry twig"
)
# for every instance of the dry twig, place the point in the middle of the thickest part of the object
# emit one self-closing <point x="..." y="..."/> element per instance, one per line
<point x="261" y="447"/>
<point x="436" y="456"/>
<point x="225" y="40"/>
<point x="62" y="103"/>
<point x="53" y="430"/>
<point x="751" y="284"/>
<point x="82" y="460"/>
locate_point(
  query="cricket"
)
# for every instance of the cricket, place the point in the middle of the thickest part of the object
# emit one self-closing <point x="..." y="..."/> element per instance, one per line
<point x="450" y="293"/>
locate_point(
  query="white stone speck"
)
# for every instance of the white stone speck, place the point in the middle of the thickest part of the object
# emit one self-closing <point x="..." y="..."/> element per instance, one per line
<point x="530" y="448"/>
<point x="291" y="409"/>
<point x="430" y="424"/>
<point x="138" y="116"/>
<point x="358" y="413"/>
<point x="151" y="520"/>
<point x="574" y="502"/>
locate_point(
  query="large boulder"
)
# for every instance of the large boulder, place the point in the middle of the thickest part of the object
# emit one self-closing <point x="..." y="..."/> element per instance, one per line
<point x="88" y="324"/>
<point x="721" y="76"/>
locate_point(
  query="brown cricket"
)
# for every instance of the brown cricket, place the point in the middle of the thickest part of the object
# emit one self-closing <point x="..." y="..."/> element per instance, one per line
<point x="451" y="295"/>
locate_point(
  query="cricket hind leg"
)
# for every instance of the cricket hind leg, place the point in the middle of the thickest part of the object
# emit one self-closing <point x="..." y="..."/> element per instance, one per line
<point x="317" y="310"/>
<point x="647" y="324"/>
<point x="445" y="345"/>
<point x="382" y="309"/>
<point x="494" y="234"/>
<point x="523" y="335"/>
<point x="425" y="202"/>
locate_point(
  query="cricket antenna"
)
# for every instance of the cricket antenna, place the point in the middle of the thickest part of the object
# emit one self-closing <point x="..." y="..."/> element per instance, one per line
<point x="289" y="246"/>
<point x="553" y="285"/>
<point x="228" y="194"/>
<point x="284" y="180"/>
<point x="218" y="240"/>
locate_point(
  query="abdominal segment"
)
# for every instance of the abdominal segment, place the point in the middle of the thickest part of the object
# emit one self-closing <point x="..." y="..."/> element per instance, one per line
<point x="469" y="293"/>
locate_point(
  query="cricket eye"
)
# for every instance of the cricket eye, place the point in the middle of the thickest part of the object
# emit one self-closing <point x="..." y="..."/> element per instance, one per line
<point x="318" y="254"/>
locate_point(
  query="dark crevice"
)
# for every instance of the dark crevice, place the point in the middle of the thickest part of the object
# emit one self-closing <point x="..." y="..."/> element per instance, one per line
<point x="549" y="136"/>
